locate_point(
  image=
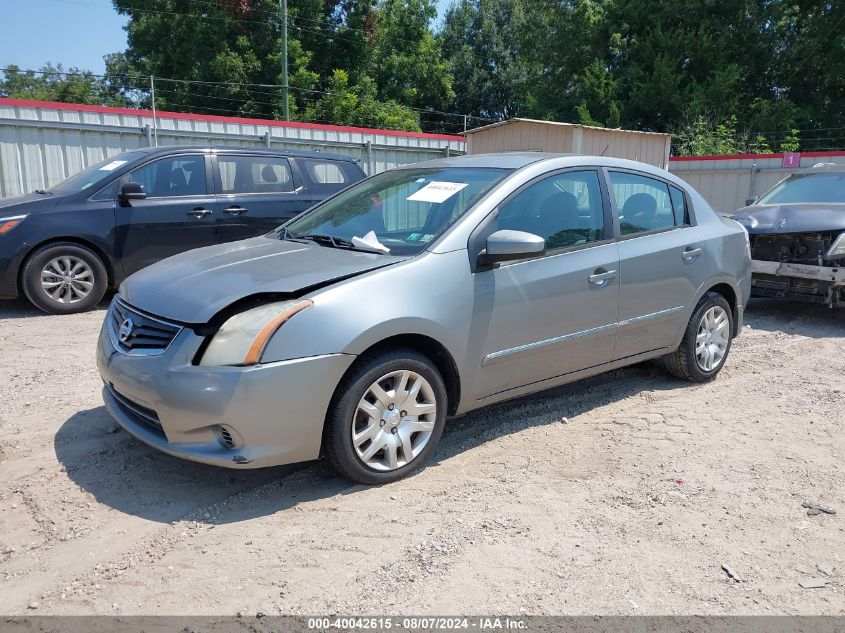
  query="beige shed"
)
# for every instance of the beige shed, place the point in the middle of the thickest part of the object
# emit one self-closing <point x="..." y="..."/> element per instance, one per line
<point x="569" y="138"/>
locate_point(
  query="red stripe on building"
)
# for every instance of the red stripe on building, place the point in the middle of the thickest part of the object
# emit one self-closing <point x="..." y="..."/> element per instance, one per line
<point x="211" y="118"/>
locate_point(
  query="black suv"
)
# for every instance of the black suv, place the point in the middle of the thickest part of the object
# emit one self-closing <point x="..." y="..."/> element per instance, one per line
<point x="65" y="247"/>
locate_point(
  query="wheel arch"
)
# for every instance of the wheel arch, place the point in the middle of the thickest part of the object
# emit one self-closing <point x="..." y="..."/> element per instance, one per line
<point x="429" y="347"/>
<point x="730" y="295"/>
<point x="97" y="250"/>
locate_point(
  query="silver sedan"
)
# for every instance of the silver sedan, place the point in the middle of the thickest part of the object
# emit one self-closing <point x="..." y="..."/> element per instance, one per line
<point x="357" y="328"/>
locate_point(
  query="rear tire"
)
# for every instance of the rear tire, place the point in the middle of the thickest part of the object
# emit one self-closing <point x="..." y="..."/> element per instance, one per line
<point x="386" y="417"/>
<point x="706" y="343"/>
<point x="64" y="278"/>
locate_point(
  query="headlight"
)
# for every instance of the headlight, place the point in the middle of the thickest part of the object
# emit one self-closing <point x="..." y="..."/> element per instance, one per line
<point x="837" y="249"/>
<point x="8" y="223"/>
<point x="242" y="339"/>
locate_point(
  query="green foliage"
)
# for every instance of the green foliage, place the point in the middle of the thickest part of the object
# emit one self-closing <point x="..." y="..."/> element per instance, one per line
<point x="408" y="64"/>
<point x="358" y="105"/>
<point x="708" y="137"/>
<point x="791" y="142"/>
<point x="723" y="76"/>
<point x="488" y="42"/>
<point x="53" y="83"/>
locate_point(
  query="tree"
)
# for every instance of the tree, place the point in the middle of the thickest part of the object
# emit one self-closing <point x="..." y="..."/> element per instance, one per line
<point x="485" y="41"/>
<point x="53" y="83"/>
<point x="358" y="105"/>
<point x="407" y="62"/>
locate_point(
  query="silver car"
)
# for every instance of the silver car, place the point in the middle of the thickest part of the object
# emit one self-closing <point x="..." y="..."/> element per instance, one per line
<point x="424" y="292"/>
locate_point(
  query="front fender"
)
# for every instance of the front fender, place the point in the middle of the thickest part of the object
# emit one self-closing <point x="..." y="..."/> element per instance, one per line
<point x="354" y="315"/>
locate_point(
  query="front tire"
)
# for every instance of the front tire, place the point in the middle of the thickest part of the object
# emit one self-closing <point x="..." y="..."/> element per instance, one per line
<point x="706" y="343"/>
<point x="64" y="278"/>
<point x="386" y="417"/>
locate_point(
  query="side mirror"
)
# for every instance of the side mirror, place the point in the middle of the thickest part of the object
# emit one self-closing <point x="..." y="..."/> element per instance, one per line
<point x="750" y="201"/>
<point x="503" y="246"/>
<point x="132" y="191"/>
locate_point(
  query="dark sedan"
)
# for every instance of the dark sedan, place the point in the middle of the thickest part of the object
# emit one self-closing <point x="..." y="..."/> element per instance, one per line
<point x="63" y="248"/>
<point x="797" y="232"/>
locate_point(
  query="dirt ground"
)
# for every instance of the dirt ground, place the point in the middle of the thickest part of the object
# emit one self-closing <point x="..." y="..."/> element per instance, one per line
<point x="622" y="494"/>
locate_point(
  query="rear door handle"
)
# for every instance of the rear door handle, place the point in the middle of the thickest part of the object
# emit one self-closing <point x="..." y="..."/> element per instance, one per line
<point x="199" y="212"/>
<point x="235" y="210"/>
<point x="690" y="254"/>
<point x="601" y="279"/>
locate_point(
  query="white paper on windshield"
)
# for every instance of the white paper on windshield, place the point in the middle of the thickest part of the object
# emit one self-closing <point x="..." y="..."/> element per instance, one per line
<point x="112" y="165"/>
<point x="370" y="241"/>
<point x="437" y="191"/>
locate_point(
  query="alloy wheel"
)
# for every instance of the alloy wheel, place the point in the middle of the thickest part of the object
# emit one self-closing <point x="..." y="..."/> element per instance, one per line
<point x="394" y="420"/>
<point x="711" y="342"/>
<point x="67" y="279"/>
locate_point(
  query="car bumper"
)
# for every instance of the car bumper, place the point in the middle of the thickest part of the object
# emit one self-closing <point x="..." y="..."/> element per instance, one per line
<point x="274" y="412"/>
<point x="831" y="274"/>
<point x="11" y="257"/>
<point x="804" y="282"/>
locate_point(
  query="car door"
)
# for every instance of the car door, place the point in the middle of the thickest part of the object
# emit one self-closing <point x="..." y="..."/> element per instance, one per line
<point x="177" y="214"/>
<point x="555" y="314"/>
<point x="256" y="193"/>
<point x="661" y="261"/>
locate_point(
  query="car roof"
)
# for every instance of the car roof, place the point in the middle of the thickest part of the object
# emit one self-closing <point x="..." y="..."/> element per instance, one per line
<point x="518" y="160"/>
<point x="822" y="168"/>
<point x="238" y="149"/>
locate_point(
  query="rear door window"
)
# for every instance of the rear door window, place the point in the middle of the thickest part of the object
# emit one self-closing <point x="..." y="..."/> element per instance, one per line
<point x="254" y="174"/>
<point x="643" y="203"/>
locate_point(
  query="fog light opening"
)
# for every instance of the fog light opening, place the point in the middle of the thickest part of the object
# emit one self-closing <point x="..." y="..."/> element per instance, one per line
<point x="226" y="437"/>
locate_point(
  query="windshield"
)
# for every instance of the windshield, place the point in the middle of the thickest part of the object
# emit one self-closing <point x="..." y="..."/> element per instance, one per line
<point x="95" y="175"/>
<point x="400" y="211"/>
<point x="817" y="187"/>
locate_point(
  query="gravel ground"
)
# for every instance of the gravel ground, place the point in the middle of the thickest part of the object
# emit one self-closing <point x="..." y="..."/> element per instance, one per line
<point x="621" y="494"/>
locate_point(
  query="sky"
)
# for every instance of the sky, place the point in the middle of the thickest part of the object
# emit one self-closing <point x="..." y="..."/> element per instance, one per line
<point x="68" y="32"/>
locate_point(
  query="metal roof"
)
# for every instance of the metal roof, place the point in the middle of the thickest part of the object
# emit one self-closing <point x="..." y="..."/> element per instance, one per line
<point x="560" y="123"/>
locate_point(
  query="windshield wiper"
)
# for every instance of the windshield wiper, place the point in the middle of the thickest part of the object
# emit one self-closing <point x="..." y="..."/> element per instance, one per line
<point x="43" y="192"/>
<point x="329" y="240"/>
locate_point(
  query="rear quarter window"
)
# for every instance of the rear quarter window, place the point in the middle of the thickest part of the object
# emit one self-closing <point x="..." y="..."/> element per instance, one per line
<point x="329" y="172"/>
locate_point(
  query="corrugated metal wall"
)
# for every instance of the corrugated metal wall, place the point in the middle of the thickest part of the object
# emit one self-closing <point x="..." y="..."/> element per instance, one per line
<point x="41" y="144"/>
<point x="727" y="181"/>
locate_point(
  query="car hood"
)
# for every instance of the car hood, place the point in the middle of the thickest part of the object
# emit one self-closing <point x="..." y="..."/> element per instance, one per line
<point x="30" y="203"/>
<point x="792" y="218"/>
<point x="194" y="286"/>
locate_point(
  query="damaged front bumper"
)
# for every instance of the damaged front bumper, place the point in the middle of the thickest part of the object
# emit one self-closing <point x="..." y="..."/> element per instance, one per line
<point x="803" y="282"/>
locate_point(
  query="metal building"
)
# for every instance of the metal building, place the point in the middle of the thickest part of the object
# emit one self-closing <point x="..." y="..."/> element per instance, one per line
<point x="569" y="138"/>
<point x="42" y="143"/>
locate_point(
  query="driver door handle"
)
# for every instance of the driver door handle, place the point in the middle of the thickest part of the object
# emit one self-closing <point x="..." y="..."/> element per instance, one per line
<point x="601" y="279"/>
<point x="199" y="212"/>
<point x="235" y="210"/>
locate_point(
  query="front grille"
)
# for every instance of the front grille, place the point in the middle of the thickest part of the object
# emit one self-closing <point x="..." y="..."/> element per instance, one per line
<point x="138" y="413"/>
<point x="143" y="334"/>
